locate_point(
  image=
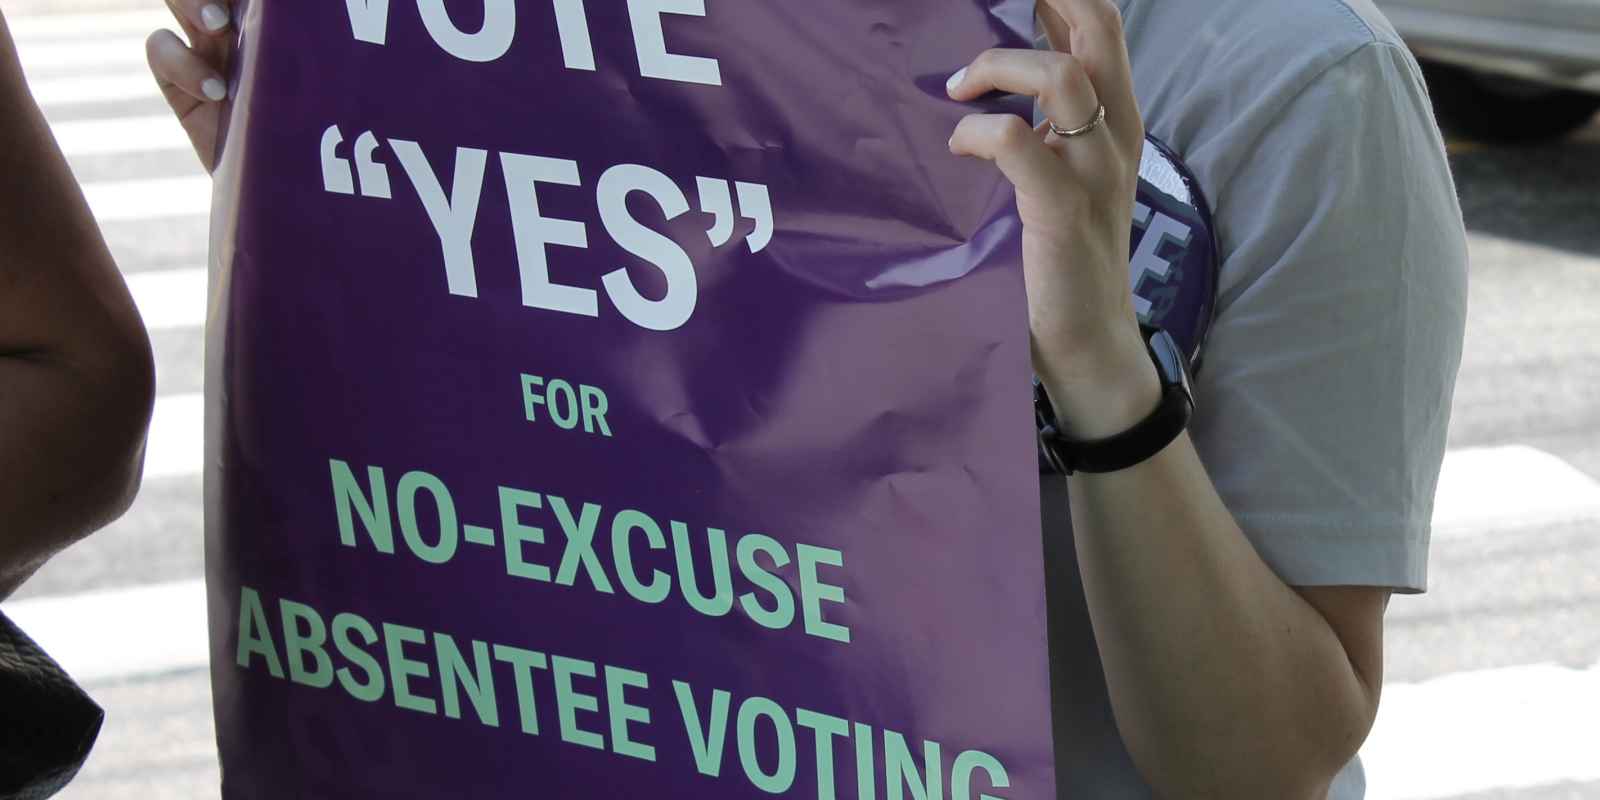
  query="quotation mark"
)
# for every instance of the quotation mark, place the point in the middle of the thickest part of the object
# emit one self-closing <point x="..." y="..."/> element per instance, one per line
<point x="716" y="196"/>
<point x="336" y="176"/>
<point x="716" y="199"/>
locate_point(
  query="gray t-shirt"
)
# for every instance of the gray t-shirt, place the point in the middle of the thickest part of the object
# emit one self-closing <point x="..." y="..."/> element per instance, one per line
<point x="1328" y="376"/>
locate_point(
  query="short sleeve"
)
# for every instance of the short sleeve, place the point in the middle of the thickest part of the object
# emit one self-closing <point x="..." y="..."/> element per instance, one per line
<point x="1325" y="393"/>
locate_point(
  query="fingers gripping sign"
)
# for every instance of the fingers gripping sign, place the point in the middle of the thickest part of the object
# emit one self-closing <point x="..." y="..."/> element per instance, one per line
<point x="1092" y="31"/>
<point x="1075" y="193"/>
<point x="192" y="74"/>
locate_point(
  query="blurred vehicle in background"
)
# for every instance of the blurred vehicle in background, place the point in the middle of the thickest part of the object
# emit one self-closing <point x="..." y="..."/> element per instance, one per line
<point x="1512" y="71"/>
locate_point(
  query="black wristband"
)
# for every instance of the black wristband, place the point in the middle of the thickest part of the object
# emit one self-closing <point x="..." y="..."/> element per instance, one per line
<point x="1135" y="445"/>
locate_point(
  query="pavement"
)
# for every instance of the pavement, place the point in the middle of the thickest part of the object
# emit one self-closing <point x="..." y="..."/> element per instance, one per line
<point x="39" y="8"/>
<point x="1492" y="678"/>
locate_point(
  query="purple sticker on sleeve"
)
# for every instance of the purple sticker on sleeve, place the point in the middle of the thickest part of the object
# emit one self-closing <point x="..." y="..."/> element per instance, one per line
<point x="1174" y="259"/>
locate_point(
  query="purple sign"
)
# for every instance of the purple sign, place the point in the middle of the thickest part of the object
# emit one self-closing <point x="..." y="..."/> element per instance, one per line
<point x="620" y="399"/>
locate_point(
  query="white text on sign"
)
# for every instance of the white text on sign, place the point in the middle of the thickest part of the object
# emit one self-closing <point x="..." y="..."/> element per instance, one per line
<point x="454" y="214"/>
<point x="369" y="22"/>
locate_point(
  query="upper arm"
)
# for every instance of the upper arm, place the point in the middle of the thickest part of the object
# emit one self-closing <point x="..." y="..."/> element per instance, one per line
<point x="60" y="292"/>
<point x="76" y="371"/>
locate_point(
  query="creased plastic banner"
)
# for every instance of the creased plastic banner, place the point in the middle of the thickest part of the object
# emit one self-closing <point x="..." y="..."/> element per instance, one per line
<point x="620" y="399"/>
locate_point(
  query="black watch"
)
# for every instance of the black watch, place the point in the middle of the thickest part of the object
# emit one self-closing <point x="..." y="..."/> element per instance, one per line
<point x="1137" y="444"/>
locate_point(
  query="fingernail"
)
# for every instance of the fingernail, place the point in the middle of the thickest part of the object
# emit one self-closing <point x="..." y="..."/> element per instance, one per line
<point x="215" y="89"/>
<point x="951" y="85"/>
<point x="214" y="17"/>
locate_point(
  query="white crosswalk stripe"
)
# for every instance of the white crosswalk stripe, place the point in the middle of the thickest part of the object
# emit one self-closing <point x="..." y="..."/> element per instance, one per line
<point x="98" y="137"/>
<point x="1491" y="489"/>
<point x="154" y="198"/>
<point x="104" y="635"/>
<point x="177" y="437"/>
<point x="109" y="54"/>
<point x="123" y="24"/>
<point x="1490" y="729"/>
<point x="52" y="93"/>
<point x="73" y="59"/>
<point x="170" y="298"/>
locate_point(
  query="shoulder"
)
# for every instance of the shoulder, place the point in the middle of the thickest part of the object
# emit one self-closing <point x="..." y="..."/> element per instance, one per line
<point x="1301" y="120"/>
<point x="1235" y="35"/>
<point x="1209" y="69"/>
<point x="1250" y="92"/>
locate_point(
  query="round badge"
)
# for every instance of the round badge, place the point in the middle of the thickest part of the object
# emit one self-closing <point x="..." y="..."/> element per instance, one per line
<point x="1174" y="261"/>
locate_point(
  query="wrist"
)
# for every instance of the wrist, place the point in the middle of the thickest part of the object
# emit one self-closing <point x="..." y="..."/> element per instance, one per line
<point x="1103" y="393"/>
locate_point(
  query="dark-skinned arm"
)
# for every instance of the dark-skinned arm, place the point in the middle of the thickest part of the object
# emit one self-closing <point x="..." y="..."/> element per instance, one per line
<point x="77" y="379"/>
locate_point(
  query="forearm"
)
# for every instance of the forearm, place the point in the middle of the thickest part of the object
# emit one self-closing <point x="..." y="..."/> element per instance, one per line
<point x="71" y="452"/>
<point x="1224" y="681"/>
<point x="76" y="372"/>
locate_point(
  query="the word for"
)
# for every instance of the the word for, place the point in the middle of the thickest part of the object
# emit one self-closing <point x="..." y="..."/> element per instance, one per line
<point x="641" y="561"/>
<point x="565" y="404"/>
<point x="454" y="215"/>
<point x="369" y="22"/>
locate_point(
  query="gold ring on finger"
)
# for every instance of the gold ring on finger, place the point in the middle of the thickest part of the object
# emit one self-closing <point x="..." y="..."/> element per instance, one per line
<point x="1099" y="119"/>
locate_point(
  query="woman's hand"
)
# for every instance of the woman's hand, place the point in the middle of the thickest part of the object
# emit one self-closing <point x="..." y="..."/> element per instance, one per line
<point x="1076" y="198"/>
<point x="193" y="76"/>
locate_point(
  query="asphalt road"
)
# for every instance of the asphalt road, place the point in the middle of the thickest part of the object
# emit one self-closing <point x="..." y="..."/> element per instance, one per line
<point x="1524" y="592"/>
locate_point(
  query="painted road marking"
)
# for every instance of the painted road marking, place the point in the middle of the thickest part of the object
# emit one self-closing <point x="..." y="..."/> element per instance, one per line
<point x="52" y="92"/>
<point x="131" y="201"/>
<point x="123" y="633"/>
<point x="1492" y="489"/>
<point x="124" y="54"/>
<point x="97" y="137"/>
<point x="170" y="299"/>
<point x="1471" y="732"/>
<point x="177" y="442"/>
<point x="78" y="26"/>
